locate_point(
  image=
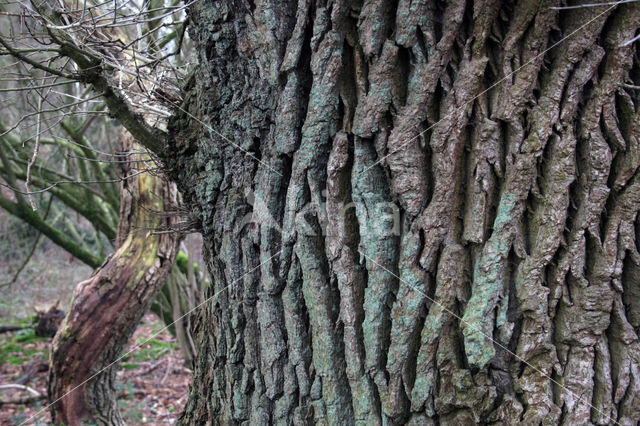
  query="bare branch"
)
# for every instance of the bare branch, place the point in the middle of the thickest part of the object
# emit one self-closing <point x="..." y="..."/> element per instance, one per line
<point x="16" y="54"/>
<point x="42" y="86"/>
<point x="36" y="149"/>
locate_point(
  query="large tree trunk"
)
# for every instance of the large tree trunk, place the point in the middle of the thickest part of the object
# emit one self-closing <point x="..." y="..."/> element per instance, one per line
<point x="107" y="307"/>
<point x="444" y="212"/>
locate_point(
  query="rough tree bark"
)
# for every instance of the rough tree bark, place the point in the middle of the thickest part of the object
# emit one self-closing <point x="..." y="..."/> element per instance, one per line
<point x="107" y="307"/>
<point x="512" y="172"/>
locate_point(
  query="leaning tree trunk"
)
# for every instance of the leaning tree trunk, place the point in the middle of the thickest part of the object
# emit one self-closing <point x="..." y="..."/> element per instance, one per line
<point x="414" y="211"/>
<point x="107" y="307"/>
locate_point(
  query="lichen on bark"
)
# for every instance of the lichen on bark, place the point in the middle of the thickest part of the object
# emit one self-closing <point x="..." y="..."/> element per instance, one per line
<point x="444" y="212"/>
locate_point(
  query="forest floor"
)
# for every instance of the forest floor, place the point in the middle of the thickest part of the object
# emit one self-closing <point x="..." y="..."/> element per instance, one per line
<point x="152" y="381"/>
<point x="50" y="277"/>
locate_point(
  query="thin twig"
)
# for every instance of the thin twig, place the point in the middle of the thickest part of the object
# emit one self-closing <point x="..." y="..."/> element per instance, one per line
<point x="34" y="157"/>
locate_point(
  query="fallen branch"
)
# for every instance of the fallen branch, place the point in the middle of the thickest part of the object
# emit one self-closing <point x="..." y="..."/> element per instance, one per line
<point x="35" y="395"/>
<point x="181" y="370"/>
<point x="8" y="328"/>
<point x="167" y="371"/>
<point x="22" y="401"/>
<point x="31" y="369"/>
<point x="32" y="391"/>
<point x="145" y="392"/>
<point x="150" y="369"/>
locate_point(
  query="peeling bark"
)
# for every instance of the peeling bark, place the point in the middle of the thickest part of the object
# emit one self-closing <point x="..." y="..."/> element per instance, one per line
<point x="107" y="307"/>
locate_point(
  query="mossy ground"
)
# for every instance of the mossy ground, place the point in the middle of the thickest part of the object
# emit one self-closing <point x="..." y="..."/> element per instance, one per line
<point x="150" y="350"/>
<point x="152" y="383"/>
<point x="21" y="347"/>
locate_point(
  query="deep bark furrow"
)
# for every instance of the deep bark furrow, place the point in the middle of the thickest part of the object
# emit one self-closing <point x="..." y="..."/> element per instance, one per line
<point x="591" y="292"/>
<point x="517" y="210"/>
<point x="447" y="141"/>
<point x="379" y="244"/>
<point x="299" y="343"/>
<point x="535" y="342"/>
<point x="407" y="316"/>
<point x="268" y="205"/>
<point x="342" y="246"/>
<point x="404" y="156"/>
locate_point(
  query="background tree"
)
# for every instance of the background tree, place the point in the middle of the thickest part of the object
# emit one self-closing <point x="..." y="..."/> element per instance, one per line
<point x="504" y="137"/>
<point x="107" y="307"/>
<point x="87" y="187"/>
<point x="73" y="171"/>
<point x="90" y="191"/>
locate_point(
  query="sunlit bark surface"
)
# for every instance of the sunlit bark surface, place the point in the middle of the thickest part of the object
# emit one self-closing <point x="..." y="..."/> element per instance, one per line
<point x="442" y="227"/>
